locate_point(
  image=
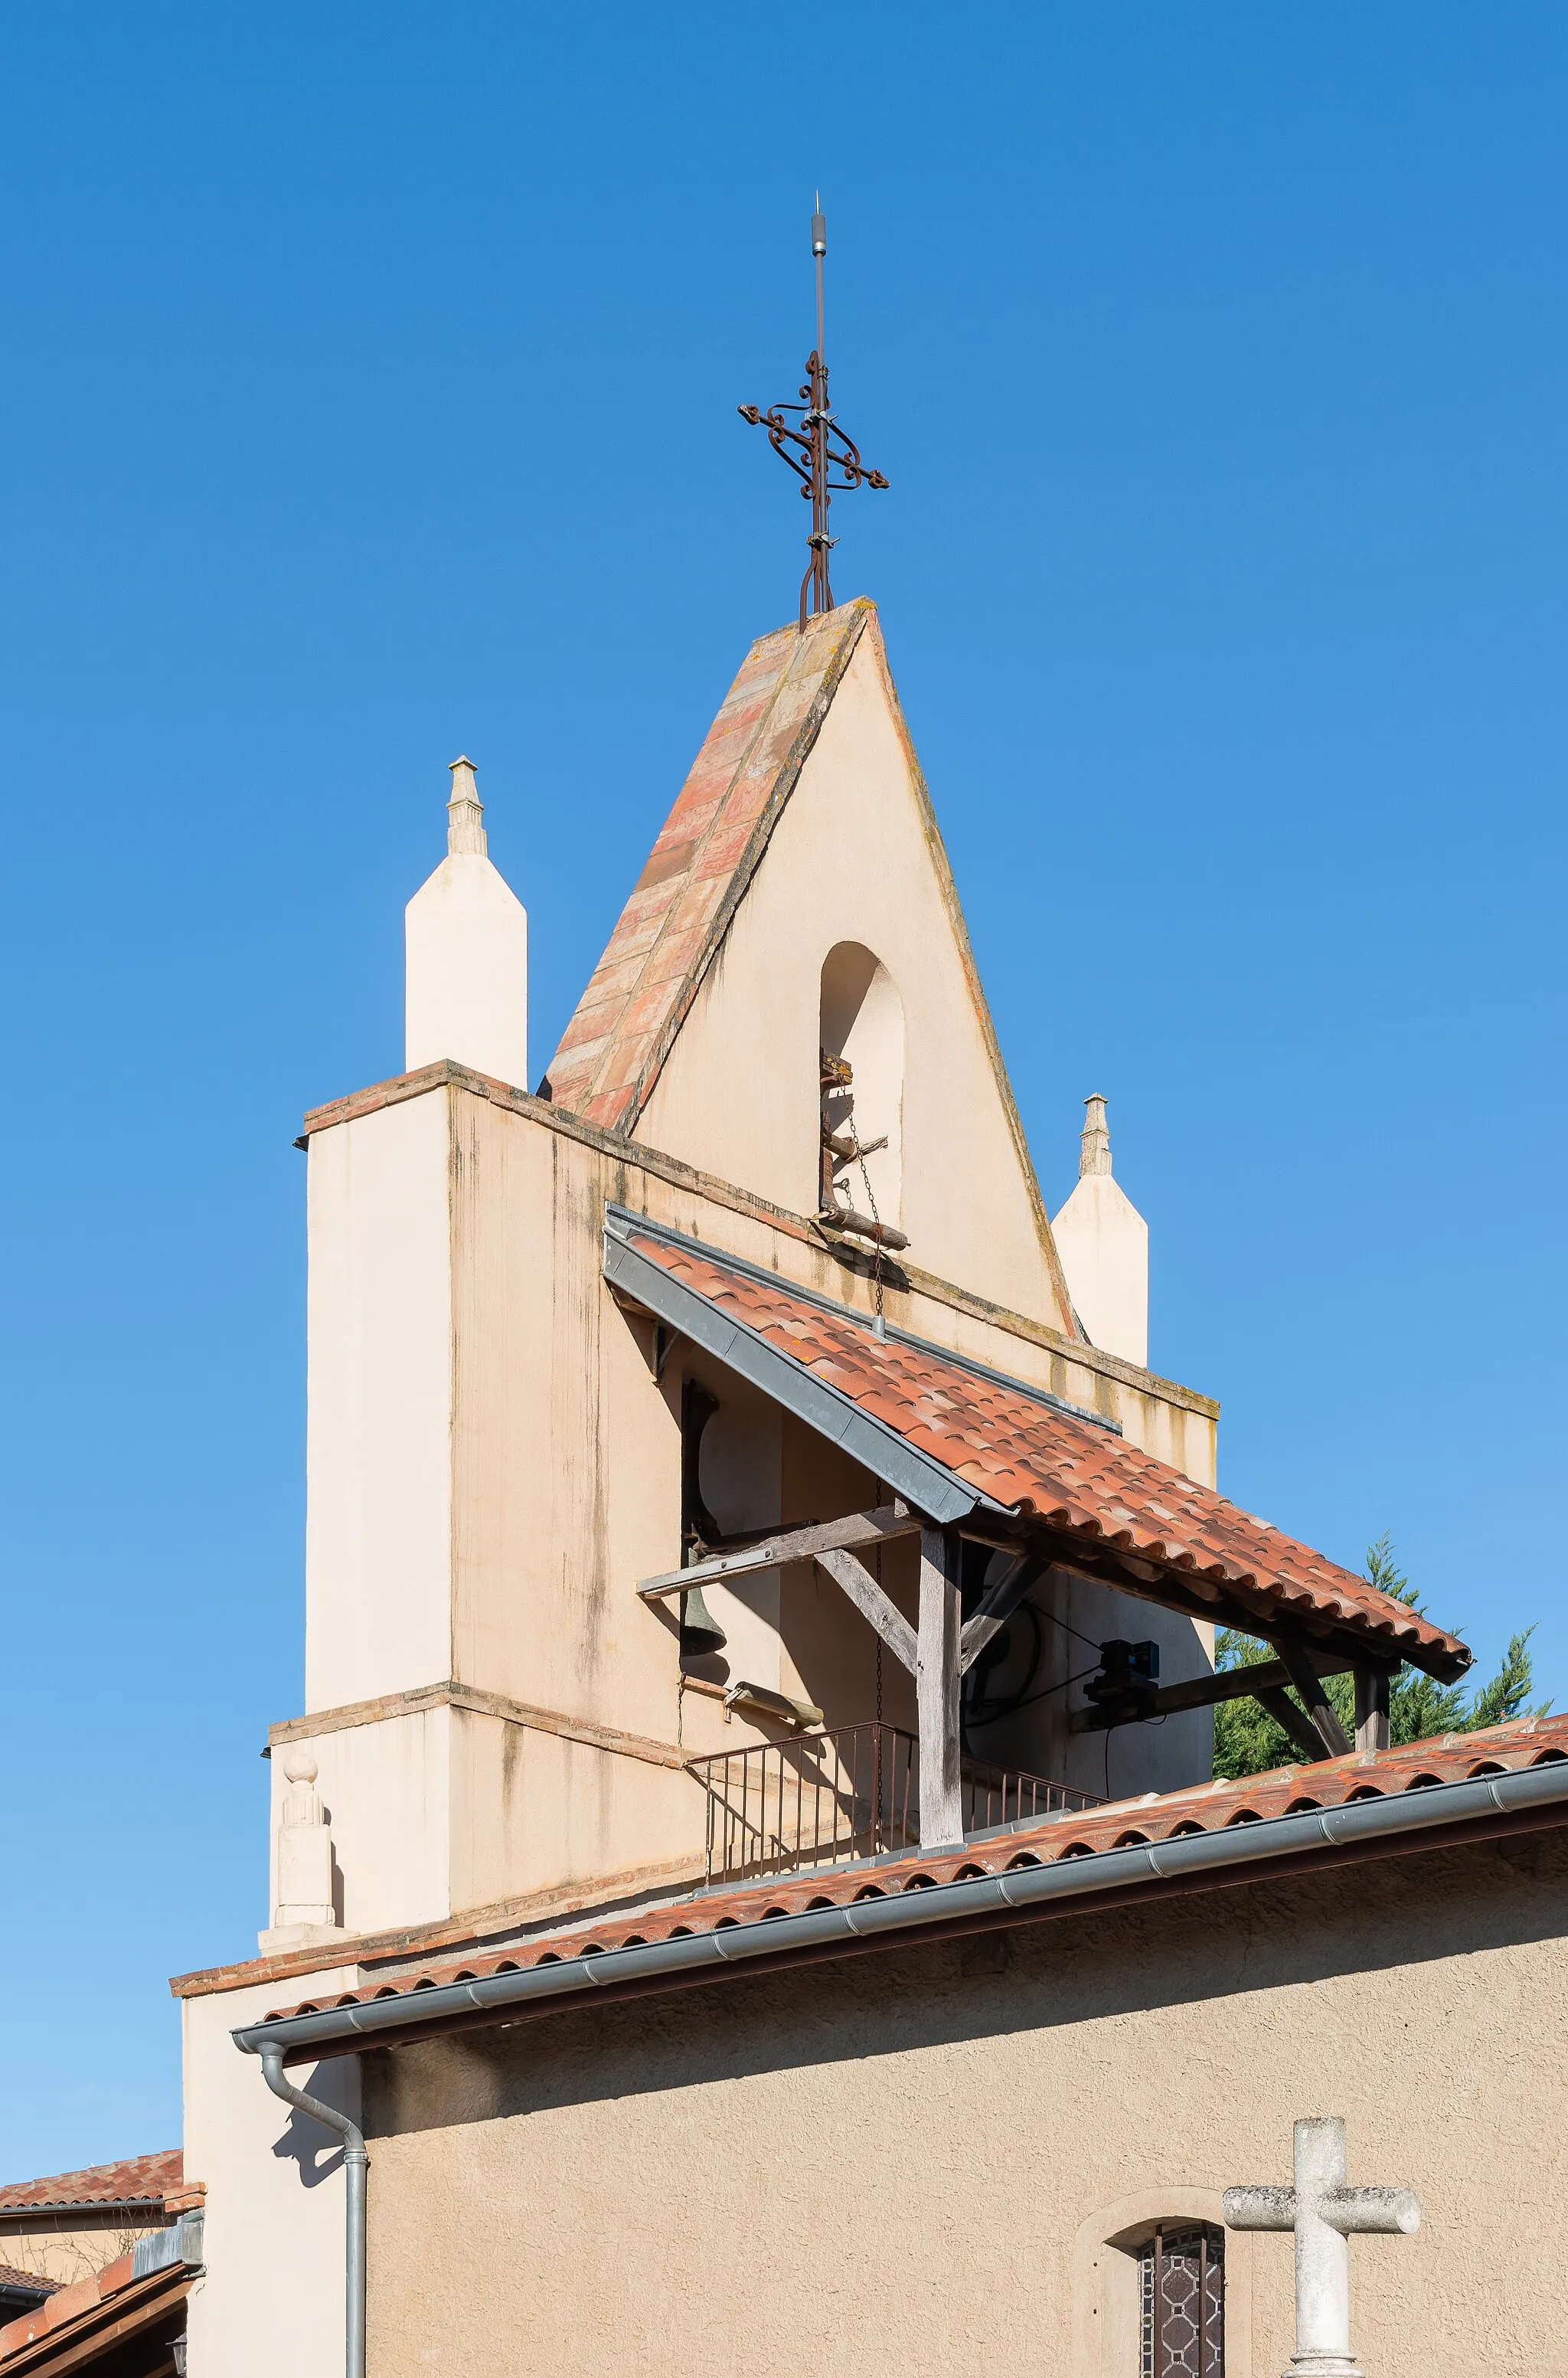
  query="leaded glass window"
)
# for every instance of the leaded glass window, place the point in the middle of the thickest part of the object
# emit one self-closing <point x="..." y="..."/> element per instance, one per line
<point x="1181" y="2286"/>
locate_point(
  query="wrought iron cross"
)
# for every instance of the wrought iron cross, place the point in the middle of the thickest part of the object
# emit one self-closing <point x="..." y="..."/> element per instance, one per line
<point x="1325" y="2213"/>
<point x="814" y="449"/>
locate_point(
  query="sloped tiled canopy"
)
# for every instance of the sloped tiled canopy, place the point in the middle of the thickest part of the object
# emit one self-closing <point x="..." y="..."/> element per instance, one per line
<point x="963" y="1443"/>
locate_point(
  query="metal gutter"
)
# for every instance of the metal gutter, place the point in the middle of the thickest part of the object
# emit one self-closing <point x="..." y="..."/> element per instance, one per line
<point x="929" y="1485"/>
<point x="115" y="2210"/>
<point x="626" y="1216"/>
<point x="1430" y="1815"/>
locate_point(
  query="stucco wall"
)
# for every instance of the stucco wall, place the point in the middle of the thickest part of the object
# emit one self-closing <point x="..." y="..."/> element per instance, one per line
<point x="271" y="2298"/>
<point x="913" y="2161"/>
<point x="489" y="1527"/>
<point x="67" y="2248"/>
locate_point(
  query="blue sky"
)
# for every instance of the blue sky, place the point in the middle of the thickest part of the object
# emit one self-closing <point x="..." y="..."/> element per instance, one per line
<point x="371" y="397"/>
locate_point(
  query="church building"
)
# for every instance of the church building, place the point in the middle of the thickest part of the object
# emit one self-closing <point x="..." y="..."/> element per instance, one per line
<point x="746" y="1888"/>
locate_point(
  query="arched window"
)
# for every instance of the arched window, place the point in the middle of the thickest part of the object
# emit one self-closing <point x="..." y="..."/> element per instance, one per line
<point x="1161" y="2291"/>
<point x="1181" y="2301"/>
<point x="862" y="1044"/>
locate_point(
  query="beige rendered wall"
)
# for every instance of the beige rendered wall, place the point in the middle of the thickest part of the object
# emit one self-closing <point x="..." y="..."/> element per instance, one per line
<point x="494" y="1464"/>
<point x="387" y="1789"/>
<point x="272" y="2296"/>
<point x="378" y="1523"/>
<point x="916" y="2161"/>
<point x="850" y="861"/>
<point x="70" y="2248"/>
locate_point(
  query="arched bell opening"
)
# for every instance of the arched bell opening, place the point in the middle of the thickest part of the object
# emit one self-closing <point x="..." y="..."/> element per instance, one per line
<point x="861" y="1038"/>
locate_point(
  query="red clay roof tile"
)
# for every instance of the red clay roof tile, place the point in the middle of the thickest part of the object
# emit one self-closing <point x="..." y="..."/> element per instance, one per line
<point x="1003" y="1441"/>
<point x="611" y="1051"/>
<point x="1157" y="1817"/>
<point x="76" y="2307"/>
<point x="141" y="2180"/>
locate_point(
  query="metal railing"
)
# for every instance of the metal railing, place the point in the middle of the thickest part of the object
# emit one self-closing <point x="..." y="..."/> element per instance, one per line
<point x="845" y="1793"/>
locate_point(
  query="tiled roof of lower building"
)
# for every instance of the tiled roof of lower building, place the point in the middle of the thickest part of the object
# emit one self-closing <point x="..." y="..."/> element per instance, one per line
<point x="89" y="2320"/>
<point x="140" y="2180"/>
<point x="1023" y="1452"/>
<point x="1156" y="1816"/>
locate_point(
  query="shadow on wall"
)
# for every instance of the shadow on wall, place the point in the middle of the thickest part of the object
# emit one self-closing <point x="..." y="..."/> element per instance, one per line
<point x="1041" y="1977"/>
<point x="318" y="2152"/>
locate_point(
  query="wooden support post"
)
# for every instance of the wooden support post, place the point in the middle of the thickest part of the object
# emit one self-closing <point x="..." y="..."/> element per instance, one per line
<point x="1372" y="1709"/>
<point x="936" y="1681"/>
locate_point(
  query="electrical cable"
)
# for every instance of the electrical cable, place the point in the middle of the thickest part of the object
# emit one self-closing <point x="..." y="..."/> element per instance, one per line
<point x="1075" y="1631"/>
<point x="1043" y="1694"/>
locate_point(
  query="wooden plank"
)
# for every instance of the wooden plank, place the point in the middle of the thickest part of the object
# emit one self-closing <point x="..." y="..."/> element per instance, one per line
<point x="890" y="1622"/>
<point x="1250" y="1613"/>
<point x="775" y="1552"/>
<point x="997" y="1606"/>
<point x="1301" y="1729"/>
<point x="1202" y="1692"/>
<point x="1304" y="1676"/>
<point x="936" y="1691"/>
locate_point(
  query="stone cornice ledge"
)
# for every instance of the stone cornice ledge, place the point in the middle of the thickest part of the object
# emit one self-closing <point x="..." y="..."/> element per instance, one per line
<point x="451" y="1694"/>
<point x="635" y="1157"/>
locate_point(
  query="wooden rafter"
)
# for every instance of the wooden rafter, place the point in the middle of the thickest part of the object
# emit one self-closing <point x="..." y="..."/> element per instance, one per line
<point x="1205" y="1692"/>
<point x="862" y="1527"/>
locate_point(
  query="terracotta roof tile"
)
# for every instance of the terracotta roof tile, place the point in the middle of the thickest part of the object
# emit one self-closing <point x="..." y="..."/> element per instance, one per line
<point x="611" y="1051"/>
<point x="1001" y="1439"/>
<point x="77" y="2307"/>
<point x="1157" y="1817"/>
<point x="65" y="2305"/>
<point x="142" y="2179"/>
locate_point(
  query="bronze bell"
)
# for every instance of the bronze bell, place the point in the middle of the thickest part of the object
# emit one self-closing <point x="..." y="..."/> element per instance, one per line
<point x="700" y="1630"/>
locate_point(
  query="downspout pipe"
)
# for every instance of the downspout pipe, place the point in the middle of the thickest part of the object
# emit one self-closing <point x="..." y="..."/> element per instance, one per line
<point x="357" y="2163"/>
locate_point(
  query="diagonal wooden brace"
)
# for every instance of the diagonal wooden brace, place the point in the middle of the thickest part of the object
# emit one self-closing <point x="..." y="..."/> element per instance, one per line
<point x="1301" y="1729"/>
<point x="1000" y="1601"/>
<point x="1324" y="1717"/>
<point x="890" y="1622"/>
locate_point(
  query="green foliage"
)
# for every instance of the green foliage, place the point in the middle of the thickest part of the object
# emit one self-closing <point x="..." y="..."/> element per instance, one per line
<point x="1248" y="1740"/>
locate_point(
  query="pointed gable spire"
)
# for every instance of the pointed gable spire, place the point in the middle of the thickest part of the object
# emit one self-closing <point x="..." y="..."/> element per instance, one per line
<point x="707" y="851"/>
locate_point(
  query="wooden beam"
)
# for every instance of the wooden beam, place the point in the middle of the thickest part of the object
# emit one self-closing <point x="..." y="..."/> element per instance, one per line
<point x="936" y="1691"/>
<point x="1301" y="1729"/>
<point x="1304" y="1676"/>
<point x="997" y="1606"/>
<point x="1203" y="1692"/>
<point x="791" y="1544"/>
<point x="1372" y="1709"/>
<point x="870" y="1600"/>
<point x="1250" y="1613"/>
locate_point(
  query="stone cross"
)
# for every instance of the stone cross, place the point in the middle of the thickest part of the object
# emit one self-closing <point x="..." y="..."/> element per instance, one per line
<point x="1325" y="2213"/>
